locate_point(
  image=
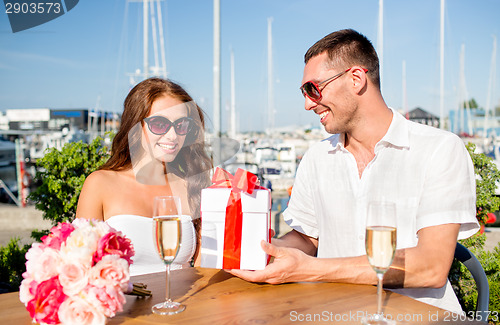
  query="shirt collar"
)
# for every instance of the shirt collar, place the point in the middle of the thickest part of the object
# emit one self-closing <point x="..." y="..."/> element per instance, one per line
<point x="336" y="141"/>
<point x="397" y="134"/>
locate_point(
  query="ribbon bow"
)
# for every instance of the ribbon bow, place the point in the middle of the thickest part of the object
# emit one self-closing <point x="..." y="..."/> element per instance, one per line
<point x="242" y="181"/>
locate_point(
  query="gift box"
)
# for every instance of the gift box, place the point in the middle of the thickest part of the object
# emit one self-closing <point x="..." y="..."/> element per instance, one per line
<point x="235" y="217"/>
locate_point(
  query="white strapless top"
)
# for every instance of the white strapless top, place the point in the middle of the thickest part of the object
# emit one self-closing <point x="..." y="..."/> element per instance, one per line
<point x="140" y="231"/>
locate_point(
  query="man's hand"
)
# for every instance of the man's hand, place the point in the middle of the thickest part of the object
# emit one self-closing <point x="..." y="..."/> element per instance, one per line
<point x="289" y="265"/>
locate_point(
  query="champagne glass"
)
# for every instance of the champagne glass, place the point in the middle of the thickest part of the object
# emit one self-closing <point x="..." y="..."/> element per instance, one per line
<point x="380" y="242"/>
<point x="167" y="237"/>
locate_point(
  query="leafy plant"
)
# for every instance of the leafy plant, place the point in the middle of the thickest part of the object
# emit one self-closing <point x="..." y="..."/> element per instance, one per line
<point x="486" y="184"/>
<point x="463" y="283"/>
<point x="62" y="175"/>
<point x="460" y="278"/>
<point x="12" y="265"/>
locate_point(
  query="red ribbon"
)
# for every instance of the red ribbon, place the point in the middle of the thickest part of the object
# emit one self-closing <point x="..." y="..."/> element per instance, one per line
<point x="241" y="181"/>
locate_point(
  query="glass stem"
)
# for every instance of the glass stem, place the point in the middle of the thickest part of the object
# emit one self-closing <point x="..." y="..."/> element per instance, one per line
<point x="380" y="277"/>
<point x="167" y="294"/>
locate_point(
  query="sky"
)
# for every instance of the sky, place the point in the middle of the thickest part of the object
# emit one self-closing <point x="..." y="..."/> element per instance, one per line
<point x="84" y="58"/>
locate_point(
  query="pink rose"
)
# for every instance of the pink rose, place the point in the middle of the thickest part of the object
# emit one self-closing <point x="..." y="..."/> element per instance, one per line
<point x="73" y="277"/>
<point x="111" y="270"/>
<point x="27" y="290"/>
<point x="109" y="299"/>
<point x="58" y="235"/>
<point x="48" y="297"/>
<point x="114" y="244"/>
<point x="76" y="310"/>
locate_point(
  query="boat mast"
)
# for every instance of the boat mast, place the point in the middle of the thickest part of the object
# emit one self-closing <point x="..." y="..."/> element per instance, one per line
<point x="270" y="91"/>
<point x="464" y="102"/>
<point x="380" y="40"/>
<point x="491" y="87"/>
<point x="441" y="69"/>
<point x="145" y="34"/>
<point x="156" y="68"/>
<point x="232" y="129"/>
<point x="405" y="98"/>
<point x="163" y="68"/>
<point x="216" y="71"/>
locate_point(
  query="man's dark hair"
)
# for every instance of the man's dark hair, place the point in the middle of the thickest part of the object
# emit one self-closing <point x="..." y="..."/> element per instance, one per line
<point x="345" y="49"/>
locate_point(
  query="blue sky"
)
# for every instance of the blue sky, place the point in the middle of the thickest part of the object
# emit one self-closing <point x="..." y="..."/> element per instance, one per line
<point x="83" y="57"/>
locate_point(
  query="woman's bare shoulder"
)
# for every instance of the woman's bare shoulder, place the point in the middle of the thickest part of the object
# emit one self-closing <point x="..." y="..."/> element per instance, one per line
<point x="104" y="175"/>
<point x="93" y="194"/>
<point x="99" y="188"/>
<point x="98" y="176"/>
<point x="101" y="179"/>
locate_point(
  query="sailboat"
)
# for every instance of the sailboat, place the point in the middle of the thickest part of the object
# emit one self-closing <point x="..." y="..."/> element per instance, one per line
<point x="151" y="12"/>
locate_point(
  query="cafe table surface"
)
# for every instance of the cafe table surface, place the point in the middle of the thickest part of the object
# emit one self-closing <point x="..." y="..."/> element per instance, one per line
<point x="215" y="297"/>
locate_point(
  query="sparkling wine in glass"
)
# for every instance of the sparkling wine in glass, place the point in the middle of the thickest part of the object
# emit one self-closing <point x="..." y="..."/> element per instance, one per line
<point x="167" y="232"/>
<point x="380" y="244"/>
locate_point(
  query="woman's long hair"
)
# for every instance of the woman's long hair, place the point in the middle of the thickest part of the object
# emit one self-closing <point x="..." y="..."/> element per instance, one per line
<point x="192" y="163"/>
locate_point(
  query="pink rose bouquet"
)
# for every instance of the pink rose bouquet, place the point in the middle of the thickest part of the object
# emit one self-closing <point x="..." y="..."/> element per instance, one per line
<point x="78" y="274"/>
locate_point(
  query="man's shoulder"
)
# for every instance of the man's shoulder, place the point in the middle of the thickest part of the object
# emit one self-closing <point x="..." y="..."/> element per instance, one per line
<point x="418" y="131"/>
<point x="428" y="141"/>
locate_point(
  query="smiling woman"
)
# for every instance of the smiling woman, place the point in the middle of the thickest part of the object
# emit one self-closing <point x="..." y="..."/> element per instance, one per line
<point x="151" y="156"/>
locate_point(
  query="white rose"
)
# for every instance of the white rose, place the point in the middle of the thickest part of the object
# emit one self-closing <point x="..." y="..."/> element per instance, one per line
<point x="80" y="223"/>
<point x="45" y="266"/>
<point x="102" y="228"/>
<point x="33" y="255"/>
<point x="81" y="245"/>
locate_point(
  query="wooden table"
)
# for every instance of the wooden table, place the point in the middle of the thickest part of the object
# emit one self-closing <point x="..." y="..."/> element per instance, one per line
<point x="215" y="297"/>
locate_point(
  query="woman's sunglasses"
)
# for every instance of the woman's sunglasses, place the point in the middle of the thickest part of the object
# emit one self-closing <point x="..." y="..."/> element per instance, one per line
<point x="312" y="90"/>
<point x="160" y="125"/>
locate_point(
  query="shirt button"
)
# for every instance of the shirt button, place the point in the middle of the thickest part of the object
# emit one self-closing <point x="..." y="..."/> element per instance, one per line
<point x="361" y="237"/>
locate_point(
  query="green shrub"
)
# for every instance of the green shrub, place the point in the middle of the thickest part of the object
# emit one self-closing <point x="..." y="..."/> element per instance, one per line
<point x="12" y="265"/>
<point x="460" y="278"/>
<point x="61" y="176"/>
<point x="463" y="283"/>
<point x="486" y="184"/>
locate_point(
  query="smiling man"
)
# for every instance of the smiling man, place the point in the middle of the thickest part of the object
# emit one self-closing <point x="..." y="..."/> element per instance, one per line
<point x="374" y="154"/>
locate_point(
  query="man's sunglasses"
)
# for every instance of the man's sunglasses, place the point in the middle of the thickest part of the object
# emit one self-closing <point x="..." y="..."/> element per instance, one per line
<point x="160" y="125"/>
<point x="312" y="90"/>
